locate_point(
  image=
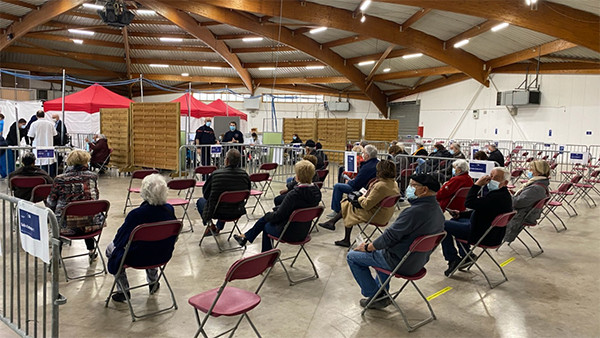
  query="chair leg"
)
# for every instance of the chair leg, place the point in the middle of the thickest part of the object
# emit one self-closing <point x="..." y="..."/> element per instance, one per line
<point x="560" y="219"/>
<point x="252" y="325"/>
<point x="536" y="242"/>
<point x="127" y="202"/>
<point x="200" y="324"/>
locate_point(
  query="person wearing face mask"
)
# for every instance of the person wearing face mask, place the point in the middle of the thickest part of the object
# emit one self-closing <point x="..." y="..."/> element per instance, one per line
<point x="460" y="179"/>
<point x="11" y="140"/>
<point x="495" y="155"/>
<point x="527" y="197"/>
<point x="205" y="135"/>
<point x="428" y="166"/>
<point x="296" y="139"/>
<point x="423" y="217"/>
<point x="472" y="224"/>
<point x="233" y="135"/>
<point x="62" y="137"/>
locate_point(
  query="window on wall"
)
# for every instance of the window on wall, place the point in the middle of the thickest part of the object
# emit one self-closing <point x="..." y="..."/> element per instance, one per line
<point x="227" y="97"/>
<point x="294" y="98"/>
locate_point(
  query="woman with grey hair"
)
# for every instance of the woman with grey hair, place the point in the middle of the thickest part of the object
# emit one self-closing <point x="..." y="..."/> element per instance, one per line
<point x="100" y="152"/>
<point x="460" y="179"/>
<point x="153" y="209"/>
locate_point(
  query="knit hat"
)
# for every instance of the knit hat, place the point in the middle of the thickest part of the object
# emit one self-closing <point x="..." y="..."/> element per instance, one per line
<point x="309" y="143"/>
<point x="426" y="180"/>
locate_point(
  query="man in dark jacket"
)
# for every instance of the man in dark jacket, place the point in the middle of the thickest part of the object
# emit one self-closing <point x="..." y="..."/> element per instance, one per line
<point x="304" y="195"/>
<point x="230" y="178"/>
<point x="310" y="146"/>
<point x="28" y="169"/>
<point x="495" y="155"/>
<point x="205" y="135"/>
<point x="62" y="138"/>
<point x="423" y="217"/>
<point x="471" y="225"/>
<point x="11" y="138"/>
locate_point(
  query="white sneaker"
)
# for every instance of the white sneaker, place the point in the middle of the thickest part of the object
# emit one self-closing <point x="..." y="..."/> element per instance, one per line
<point x="332" y="214"/>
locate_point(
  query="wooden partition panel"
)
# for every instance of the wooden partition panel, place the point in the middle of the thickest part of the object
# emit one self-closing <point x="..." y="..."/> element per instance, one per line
<point x="332" y="135"/>
<point x="155" y="135"/>
<point x="114" y="124"/>
<point x="354" y="129"/>
<point x="381" y="130"/>
<point x="305" y="128"/>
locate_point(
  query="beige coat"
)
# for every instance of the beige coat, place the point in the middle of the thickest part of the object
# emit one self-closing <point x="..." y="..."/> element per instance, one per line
<point x="378" y="190"/>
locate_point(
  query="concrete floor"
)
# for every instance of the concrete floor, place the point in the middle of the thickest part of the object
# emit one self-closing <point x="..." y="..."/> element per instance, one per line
<point x="555" y="294"/>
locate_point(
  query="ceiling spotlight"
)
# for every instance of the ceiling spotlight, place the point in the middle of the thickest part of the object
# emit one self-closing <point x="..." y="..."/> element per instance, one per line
<point x="412" y="56"/>
<point x="387" y="70"/>
<point x="185" y="74"/>
<point x="500" y="26"/>
<point x="315" y="67"/>
<point x="211" y="67"/>
<point x="363" y="18"/>
<point x="78" y="41"/>
<point x="266" y="68"/>
<point x="93" y="6"/>
<point x="317" y="30"/>
<point x="82" y="32"/>
<point x="366" y="63"/>
<point x="252" y="39"/>
<point x="145" y="12"/>
<point x="154" y="65"/>
<point x="461" y="43"/>
<point x="365" y="4"/>
<point x="171" y="39"/>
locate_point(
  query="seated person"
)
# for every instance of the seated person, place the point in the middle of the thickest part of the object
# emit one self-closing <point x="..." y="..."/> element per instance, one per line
<point x="100" y="151"/>
<point x="495" y="155"/>
<point x="480" y="156"/>
<point x="345" y="176"/>
<point x="291" y="184"/>
<point x="310" y="147"/>
<point x="230" y="178"/>
<point x="28" y="169"/>
<point x="460" y="179"/>
<point x="77" y="183"/>
<point x="428" y="166"/>
<point x="423" y="217"/>
<point x="304" y="195"/>
<point x="472" y="224"/>
<point x="454" y="150"/>
<point x="296" y="139"/>
<point x="398" y="153"/>
<point x="384" y="186"/>
<point x="365" y="174"/>
<point x="153" y="209"/>
<point x="319" y="149"/>
<point x="535" y="190"/>
<point x="421" y="151"/>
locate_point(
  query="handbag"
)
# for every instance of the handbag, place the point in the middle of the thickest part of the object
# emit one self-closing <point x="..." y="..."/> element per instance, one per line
<point x="353" y="199"/>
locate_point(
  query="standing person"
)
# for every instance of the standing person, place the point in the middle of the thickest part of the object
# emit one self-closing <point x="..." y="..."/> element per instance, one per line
<point x="42" y="132"/>
<point x="62" y="138"/>
<point x="11" y="140"/>
<point x="234" y="136"/>
<point x="100" y="151"/>
<point x="205" y="135"/>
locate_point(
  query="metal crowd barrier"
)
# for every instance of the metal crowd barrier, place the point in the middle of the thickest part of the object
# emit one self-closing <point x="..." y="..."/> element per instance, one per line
<point x="30" y="295"/>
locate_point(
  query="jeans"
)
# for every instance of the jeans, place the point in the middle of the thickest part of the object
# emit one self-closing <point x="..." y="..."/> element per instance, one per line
<point x="339" y="189"/>
<point x="200" y="204"/>
<point x="267" y="229"/>
<point x="359" y="263"/>
<point x="456" y="228"/>
<point x="122" y="282"/>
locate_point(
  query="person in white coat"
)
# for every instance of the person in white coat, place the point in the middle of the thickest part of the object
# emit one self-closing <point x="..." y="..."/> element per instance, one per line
<point x="42" y="132"/>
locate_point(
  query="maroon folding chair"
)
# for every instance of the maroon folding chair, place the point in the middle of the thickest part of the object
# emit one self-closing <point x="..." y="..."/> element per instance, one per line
<point x="561" y="195"/>
<point x="320" y="186"/>
<point x="260" y="181"/>
<point x="26" y="182"/>
<point x="499" y="222"/>
<point x="203" y="170"/>
<point x="271" y="168"/>
<point x="104" y="165"/>
<point x="305" y="215"/>
<point x="425" y="245"/>
<point x="550" y="206"/>
<point x="231" y="301"/>
<point x="229" y="197"/>
<point x="180" y="185"/>
<point x="581" y="189"/>
<point x="388" y="202"/>
<point x="160" y="234"/>
<point x="80" y="209"/>
<point x="136" y="175"/>
<point x="322" y="173"/>
<point x="40" y="192"/>
<point x="457" y="202"/>
<point x="538" y="207"/>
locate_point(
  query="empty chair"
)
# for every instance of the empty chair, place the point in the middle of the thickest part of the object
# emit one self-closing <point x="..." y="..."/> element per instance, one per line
<point x="550" y="206"/>
<point x="179" y="185"/>
<point x="231" y="301"/>
<point x="136" y="175"/>
<point x="422" y="244"/>
<point x="260" y="180"/>
<point x="561" y="195"/>
<point x="203" y="171"/>
<point x="228" y="198"/>
<point x="539" y="206"/>
<point x="322" y="173"/>
<point x="271" y="168"/>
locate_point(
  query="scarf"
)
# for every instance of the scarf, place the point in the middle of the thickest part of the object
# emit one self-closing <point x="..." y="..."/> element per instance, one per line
<point x="530" y="182"/>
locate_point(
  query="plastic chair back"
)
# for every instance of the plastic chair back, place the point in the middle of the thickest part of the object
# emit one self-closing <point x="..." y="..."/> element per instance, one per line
<point x="181" y="184"/>
<point x="86" y="208"/>
<point x="252" y="266"/>
<point x="141" y="174"/>
<point x="516" y="173"/>
<point x="390" y="201"/>
<point x="259" y="177"/>
<point x="26" y="181"/>
<point x="595" y="173"/>
<point x="502" y="220"/>
<point x="322" y="173"/>
<point x="458" y="200"/>
<point x="565" y="187"/>
<point x="157" y="240"/>
<point x="576" y="179"/>
<point x="205" y="170"/>
<point x="40" y="192"/>
<point x="541" y="203"/>
<point x="406" y="172"/>
<point x="426" y="243"/>
<point x="268" y="166"/>
<point x="306" y="214"/>
<point x="233" y="197"/>
<point x="158" y="231"/>
<point x="319" y="184"/>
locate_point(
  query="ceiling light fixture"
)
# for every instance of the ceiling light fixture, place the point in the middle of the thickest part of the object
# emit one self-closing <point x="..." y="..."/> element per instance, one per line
<point x="185" y="74"/>
<point x="154" y="65"/>
<point x="500" y="26"/>
<point x="145" y="12"/>
<point x="365" y="4"/>
<point x="171" y="39"/>
<point x="252" y="39"/>
<point x="412" y="56"/>
<point x="93" y="6"/>
<point x="366" y="63"/>
<point x="82" y="32"/>
<point x="211" y="67"/>
<point x="363" y="18"/>
<point x="461" y="43"/>
<point x="78" y="41"/>
<point x="266" y="68"/>
<point x="317" y="30"/>
<point x="387" y="70"/>
<point x="315" y="67"/>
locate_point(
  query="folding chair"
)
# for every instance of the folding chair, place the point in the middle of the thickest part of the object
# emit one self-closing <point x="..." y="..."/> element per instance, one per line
<point x="515" y="175"/>
<point x="499" y="222"/>
<point x="538" y="206"/>
<point x="582" y="190"/>
<point x="229" y="197"/>
<point x="148" y="236"/>
<point x="89" y="208"/>
<point x="322" y="173"/>
<point x="187" y="185"/>
<point x="550" y="206"/>
<point x="306" y="215"/>
<point x="260" y="181"/>
<point x="203" y="170"/>
<point x="230" y="301"/>
<point x="388" y="202"/>
<point x="103" y="166"/>
<point x="561" y="194"/>
<point x="136" y="175"/>
<point x="26" y="182"/>
<point x="40" y="192"/>
<point x="270" y="168"/>
<point x="424" y="245"/>
<point x="457" y="202"/>
<point x="320" y="186"/>
<point x="593" y="180"/>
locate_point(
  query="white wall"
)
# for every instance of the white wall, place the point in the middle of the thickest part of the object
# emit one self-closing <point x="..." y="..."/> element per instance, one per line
<point x="570" y="106"/>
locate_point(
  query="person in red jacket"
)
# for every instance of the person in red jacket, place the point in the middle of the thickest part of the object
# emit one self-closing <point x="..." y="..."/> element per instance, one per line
<point x="460" y="179"/>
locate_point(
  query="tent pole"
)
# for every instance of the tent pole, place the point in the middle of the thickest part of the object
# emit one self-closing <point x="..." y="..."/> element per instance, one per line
<point x="142" y="87"/>
<point x="187" y="132"/>
<point x="62" y="132"/>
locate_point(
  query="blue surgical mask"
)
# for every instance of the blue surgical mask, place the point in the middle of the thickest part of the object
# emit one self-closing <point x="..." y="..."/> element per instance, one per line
<point x="23" y="126"/>
<point x="410" y="192"/>
<point x="208" y="123"/>
<point x="451" y="151"/>
<point x="435" y="150"/>
<point x="294" y="137"/>
<point x="453" y="172"/>
<point x="493" y="185"/>
<point x="232" y="128"/>
<point x="529" y="174"/>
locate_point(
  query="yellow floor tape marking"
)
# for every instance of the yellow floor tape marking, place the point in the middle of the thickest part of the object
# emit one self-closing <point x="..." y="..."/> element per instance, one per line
<point x="439" y="293"/>
<point x="507" y="261"/>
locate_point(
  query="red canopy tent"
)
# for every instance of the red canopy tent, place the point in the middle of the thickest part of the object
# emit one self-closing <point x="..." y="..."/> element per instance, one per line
<point x="227" y="110"/>
<point x="198" y="108"/>
<point x="89" y="100"/>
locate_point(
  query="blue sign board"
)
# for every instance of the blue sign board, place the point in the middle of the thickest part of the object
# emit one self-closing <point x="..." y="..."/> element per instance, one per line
<point x="215" y="150"/>
<point x="44" y="153"/>
<point x="30" y="224"/>
<point x="477" y="167"/>
<point x="576" y="156"/>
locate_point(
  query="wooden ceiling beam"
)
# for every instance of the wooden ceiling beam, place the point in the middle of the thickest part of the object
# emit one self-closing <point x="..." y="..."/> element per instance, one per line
<point x="378" y="64"/>
<point x="430" y="86"/>
<point x="319" y="91"/>
<point x="571" y="58"/>
<point x="10" y="17"/>
<point x="196" y="49"/>
<point x="207" y="79"/>
<point x="472" y="32"/>
<point x="21" y="3"/>
<point x="285" y="36"/>
<point x="300" y="80"/>
<point x="45" y="13"/>
<point x="283" y="64"/>
<point x="393" y="54"/>
<point x="262" y="49"/>
<point x="345" y="41"/>
<point x="414" y="18"/>
<point x="547" y="48"/>
<point x="406" y="74"/>
<point x="72" y="55"/>
<point x="57" y="70"/>
<point x="62" y="38"/>
<point x="560" y="21"/>
<point x="127" y="51"/>
<point x="188" y="24"/>
<point x="551" y="68"/>
<point x="191" y="63"/>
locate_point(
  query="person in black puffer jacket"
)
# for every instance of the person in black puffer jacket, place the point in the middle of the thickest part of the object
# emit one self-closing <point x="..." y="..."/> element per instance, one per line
<point x="230" y="178"/>
<point x="304" y="195"/>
